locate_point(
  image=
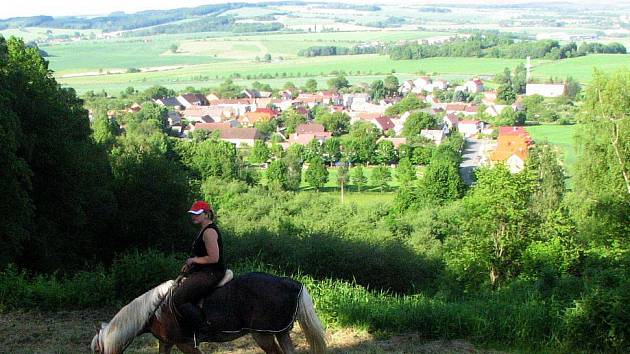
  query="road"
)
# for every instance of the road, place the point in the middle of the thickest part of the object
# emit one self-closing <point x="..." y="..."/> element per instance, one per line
<point x="474" y="155"/>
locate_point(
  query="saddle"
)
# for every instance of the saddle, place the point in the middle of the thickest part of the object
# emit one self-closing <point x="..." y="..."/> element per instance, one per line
<point x="226" y="279"/>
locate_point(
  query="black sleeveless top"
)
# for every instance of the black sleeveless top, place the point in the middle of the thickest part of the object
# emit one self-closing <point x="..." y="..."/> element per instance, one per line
<point x="199" y="250"/>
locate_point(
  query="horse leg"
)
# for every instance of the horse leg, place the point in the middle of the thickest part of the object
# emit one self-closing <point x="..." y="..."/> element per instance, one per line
<point x="267" y="342"/>
<point x="188" y="349"/>
<point x="165" y="348"/>
<point x="286" y="343"/>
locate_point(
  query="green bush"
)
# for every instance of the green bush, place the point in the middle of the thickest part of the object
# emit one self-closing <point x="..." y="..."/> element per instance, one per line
<point x="136" y="272"/>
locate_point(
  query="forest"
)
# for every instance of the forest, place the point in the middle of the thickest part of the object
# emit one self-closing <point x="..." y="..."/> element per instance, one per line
<point x="94" y="214"/>
<point x="493" y="44"/>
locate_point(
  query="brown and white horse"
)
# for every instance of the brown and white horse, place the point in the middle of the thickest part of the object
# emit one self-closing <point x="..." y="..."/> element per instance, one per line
<point x="151" y="313"/>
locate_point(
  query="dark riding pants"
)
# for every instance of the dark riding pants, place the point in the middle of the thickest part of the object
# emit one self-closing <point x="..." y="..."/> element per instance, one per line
<point x="196" y="286"/>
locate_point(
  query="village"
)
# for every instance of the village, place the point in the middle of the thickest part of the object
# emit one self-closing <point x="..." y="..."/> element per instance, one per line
<point x="235" y="120"/>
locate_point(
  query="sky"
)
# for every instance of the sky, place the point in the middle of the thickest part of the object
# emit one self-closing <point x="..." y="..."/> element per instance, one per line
<point x="100" y="7"/>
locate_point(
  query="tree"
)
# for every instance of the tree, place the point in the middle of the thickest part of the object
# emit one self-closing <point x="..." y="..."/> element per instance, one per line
<point x="291" y="119"/>
<point x="506" y="94"/>
<point x="544" y="164"/>
<point x="601" y="196"/>
<point x="277" y="174"/>
<point x="267" y="58"/>
<point x="173" y="48"/>
<point x="310" y="85"/>
<point x="408" y="103"/>
<point x="377" y="90"/>
<point x="316" y="174"/>
<point x="496" y="228"/>
<point x="381" y="175"/>
<point x="260" y="152"/>
<point x="416" y="122"/>
<point x="358" y="177"/>
<point x="228" y="89"/>
<point x="391" y="85"/>
<point x="385" y="153"/>
<point x="313" y="150"/>
<point x="342" y="177"/>
<point x="331" y="150"/>
<point x="56" y="191"/>
<point x="337" y="122"/>
<point x="338" y="83"/>
<point x="405" y="172"/>
<point x="215" y="158"/>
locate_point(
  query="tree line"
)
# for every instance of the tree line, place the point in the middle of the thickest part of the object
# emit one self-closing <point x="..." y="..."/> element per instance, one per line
<point x="488" y="44"/>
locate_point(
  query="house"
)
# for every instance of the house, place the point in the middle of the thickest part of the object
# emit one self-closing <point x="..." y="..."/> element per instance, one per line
<point x="455" y="108"/>
<point x="134" y="108"/>
<point x="240" y="136"/>
<point x="469" y="127"/>
<point x="174" y="118"/>
<point x="396" y="141"/>
<point x="211" y="126"/>
<point x="383" y="123"/>
<point x="435" y="135"/>
<point x="212" y="97"/>
<point x="406" y="87"/>
<point x="470" y="110"/>
<point x="440" y="84"/>
<point x="249" y="119"/>
<point x="207" y="114"/>
<point x="422" y="83"/>
<point x="192" y="99"/>
<point x="169" y="102"/>
<point x="306" y="138"/>
<point x="450" y="121"/>
<point x="546" y="90"/>
<point x="489" y="98"/>
<point x="511" y="149"/>
<point x="474" y="86"/>
<point x="309" y="128"/>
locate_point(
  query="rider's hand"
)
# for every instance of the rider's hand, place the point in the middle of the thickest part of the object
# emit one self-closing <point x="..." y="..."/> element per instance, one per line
<point x="189" y="262"/>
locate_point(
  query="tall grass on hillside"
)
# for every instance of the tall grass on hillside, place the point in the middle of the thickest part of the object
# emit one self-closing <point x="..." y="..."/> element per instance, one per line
<point x="532" y="314"/>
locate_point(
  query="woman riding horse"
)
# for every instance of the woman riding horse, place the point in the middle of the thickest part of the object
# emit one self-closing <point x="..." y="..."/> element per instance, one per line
<point x="205" y="268"/>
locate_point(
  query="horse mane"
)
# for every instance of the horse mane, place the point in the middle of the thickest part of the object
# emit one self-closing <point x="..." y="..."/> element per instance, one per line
<point x="131" y="319"/>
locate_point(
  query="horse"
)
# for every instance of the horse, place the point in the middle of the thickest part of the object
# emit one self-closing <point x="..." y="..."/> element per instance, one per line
<point x="152" y="312"/>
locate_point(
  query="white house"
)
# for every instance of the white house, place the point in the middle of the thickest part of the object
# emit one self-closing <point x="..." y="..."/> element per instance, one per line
<point x="546" y="90"/>
<point x="469" y="127"/>
<point x="474" y="86"/>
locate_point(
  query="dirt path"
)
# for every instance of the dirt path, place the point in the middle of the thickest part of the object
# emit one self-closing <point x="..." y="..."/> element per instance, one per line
<point x="72" y="331"/>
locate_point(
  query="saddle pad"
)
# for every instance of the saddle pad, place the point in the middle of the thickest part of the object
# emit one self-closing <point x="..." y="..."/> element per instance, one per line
<point x="254" y="302"/>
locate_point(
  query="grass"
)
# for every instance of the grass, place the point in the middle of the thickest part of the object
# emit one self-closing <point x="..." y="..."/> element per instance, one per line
<point x="560" y="135"/>
<point x="581" y="68"/>
<point x="209" y="75"/>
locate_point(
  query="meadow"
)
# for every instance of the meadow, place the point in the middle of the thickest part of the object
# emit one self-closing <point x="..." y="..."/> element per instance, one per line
<point x="562" y="136"/>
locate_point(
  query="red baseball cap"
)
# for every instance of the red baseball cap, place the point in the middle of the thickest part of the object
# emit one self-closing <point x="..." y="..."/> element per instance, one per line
<point x="199" y="207"/>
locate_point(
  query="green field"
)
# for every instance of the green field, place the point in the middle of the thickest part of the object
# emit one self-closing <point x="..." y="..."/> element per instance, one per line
<point x="207" y="75"/>
<point x="581" y="68"/>
<point x="560" y="135"/>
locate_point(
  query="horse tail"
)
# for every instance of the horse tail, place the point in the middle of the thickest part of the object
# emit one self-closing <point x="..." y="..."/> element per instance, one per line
<point x="311" y="325"/>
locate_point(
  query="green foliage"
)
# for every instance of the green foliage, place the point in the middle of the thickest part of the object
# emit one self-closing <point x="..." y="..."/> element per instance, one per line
<point x="310" y="86"/>
<point x="215" y="158"/>
<point x="416" y="122"/>
<point x="228" y="89"/>
<point x="405" y="172"/>
<point x="135" y="272"/>
<point x="496" y="227"/>
<point x="391" y="84"/>
<point x="408" y="103"/>
<point x="358" y="178"/>
<point x="385" y="153"/>
<point x="291" y="119"/>
<point x="337" y="122"/>
<point x="260" y="152"/>
<point x="338" y="83"/>
<point x="381" y="175"/>
<point x="55" y="183"/>
<point x="377" y="90"/>
<point x="316" y="174"/>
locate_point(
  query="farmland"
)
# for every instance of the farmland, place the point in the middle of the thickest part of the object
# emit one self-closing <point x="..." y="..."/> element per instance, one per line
<point x="560" y="135"/>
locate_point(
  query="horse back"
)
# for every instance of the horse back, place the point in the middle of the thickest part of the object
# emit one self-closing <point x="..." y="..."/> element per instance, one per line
<point x="254" y="302"/>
